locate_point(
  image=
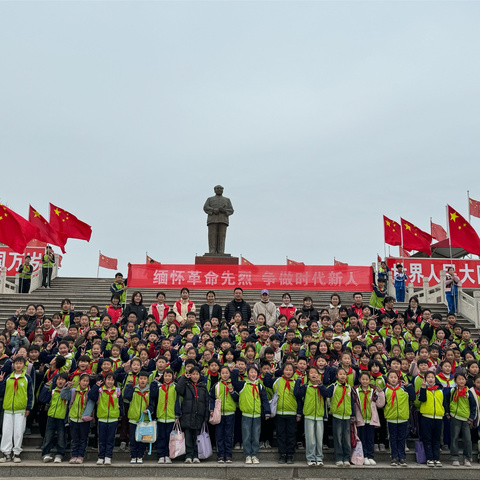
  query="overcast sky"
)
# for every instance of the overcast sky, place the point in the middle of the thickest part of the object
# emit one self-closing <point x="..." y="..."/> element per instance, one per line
<point x="317" y="117"/>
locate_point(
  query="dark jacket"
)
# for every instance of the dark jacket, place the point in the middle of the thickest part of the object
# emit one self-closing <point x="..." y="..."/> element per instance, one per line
<point x="231" y="308"/>
<point x="311" y="313"/>
<point x="195" y="407"/>
<point x="139" y="310"/>
<point x="205" y="313"/>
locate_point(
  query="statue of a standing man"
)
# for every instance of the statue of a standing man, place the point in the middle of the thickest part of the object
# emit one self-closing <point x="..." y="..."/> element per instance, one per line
<point x="218" y="208"/>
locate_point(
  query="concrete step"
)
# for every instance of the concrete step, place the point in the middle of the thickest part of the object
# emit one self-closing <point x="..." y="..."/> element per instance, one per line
<point x="237" y="470"/>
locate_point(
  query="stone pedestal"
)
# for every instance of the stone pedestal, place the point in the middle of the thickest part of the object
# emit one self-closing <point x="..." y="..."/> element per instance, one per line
<point x="208" y="259"/>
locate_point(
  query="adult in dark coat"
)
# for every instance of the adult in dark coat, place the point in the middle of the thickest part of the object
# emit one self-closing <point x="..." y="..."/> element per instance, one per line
<point x="210" y="309"/>
<point x="195" y="410"/>
<point x="238" y="304"/>
<point x="136" y="307"/>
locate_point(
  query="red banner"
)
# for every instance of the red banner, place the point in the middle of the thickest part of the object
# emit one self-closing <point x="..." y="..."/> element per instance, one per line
<point x="12" y="260"/>
<point x="276" y="277"/>
<point x="467" y="270"/>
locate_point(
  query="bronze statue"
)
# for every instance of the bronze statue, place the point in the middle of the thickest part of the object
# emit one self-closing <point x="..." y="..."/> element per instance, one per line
<point x="218" y="209"/>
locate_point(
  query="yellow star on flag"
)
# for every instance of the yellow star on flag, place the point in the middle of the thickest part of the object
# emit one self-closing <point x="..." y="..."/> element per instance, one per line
<point x="407" y="227"/>
<point x="36" y="214"/>
<point x="453" y="216"/>
<point x="57" y="211"/>
<point x="388" y="223"/>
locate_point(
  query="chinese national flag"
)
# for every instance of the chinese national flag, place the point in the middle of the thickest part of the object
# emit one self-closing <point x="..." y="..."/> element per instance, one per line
<point x="438" y="232"/>
<point x="107" y="262"/>
<point x="150" y="260"/>
<point x="244" y="261"/>
<point x="293" y="262"/>
<point x="414" y="238"/>
<point x="46" y="233"/>
<point x="68" y="225"/>
<point x="474" y="207"/>
<point x="15" y="231"/>
<point x="403" y="252"/>
<point x="339" y="264"/>
<point x="462" y="234"/>
<point x="379" y="258"/>
<point x="392" y="232"/>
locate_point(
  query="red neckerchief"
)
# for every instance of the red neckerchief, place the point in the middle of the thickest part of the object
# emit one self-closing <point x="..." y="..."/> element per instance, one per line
<point x="459" y="393"/>
<point x="423" y="378"/>
<point x="454" y="366"/>
<point x="431" y="389"/>
<point x="432" y="362"/>
<point x="365" y="399"/>
<point x="77" y="373"/>
<point x="165" y="388"/>
<point x="477" y="391"/>
<point x="349" y="371"/>
<point x="254" y="389"/>
<point x="110" y="397"/>
<point x="196" y="391"/>
<point x="212" y="374"/>
<point x="143" y="395"/>
<point x="82" y="397"/>
<point x="343" y="394"/>
<point x="361" y="366"/>
<point x="287" y="380"/>
<point x="15" y="383"/>
<point x="394" y="392"/>
<point x="445" y="379"/>
<point x="226" y="388"/>
<point x="50" y="375"/>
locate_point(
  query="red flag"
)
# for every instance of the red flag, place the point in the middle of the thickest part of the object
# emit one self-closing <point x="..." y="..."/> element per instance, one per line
<point x="68" y="225"/>
<point x="244" y="261"/>
<point x="46" y="233"/>
<point x="15" y="231"/>
<point x="107" y="262"/>
<point x="462" y="234"/>
<point x="392" y="231"/>
<point x="474" y="207"/>
<point x="293" y="262"/>
<point x="414" y="238"/>
<point x="152" y="261"/>
<point x="403" y="252"/>
<point x="379" y="258"/>
<point x="438" y="232"/>
<point x="339" y="264"/>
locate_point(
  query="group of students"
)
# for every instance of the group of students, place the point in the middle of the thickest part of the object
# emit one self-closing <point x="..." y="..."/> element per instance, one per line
<point x="385" y="374"/>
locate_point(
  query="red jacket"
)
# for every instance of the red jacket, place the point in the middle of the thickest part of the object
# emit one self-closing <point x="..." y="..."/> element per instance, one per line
<point x="115" y="313"/>
<point x="166" y="309"/>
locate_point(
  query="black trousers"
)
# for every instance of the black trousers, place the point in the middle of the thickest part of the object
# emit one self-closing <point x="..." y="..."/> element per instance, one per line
<point x="46" y="276"/>
<point x="286" y="434"/>
<point x="191" y="447"/>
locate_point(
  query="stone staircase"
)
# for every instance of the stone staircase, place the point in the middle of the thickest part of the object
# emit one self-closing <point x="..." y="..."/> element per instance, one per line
<point x="84" y="292"/>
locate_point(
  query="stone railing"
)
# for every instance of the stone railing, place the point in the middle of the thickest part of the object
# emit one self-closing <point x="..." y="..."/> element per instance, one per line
<point x="6" y="286"/>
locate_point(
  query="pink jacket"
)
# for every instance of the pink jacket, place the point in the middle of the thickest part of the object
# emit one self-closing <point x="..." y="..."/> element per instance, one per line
<point x="377" y="401"/>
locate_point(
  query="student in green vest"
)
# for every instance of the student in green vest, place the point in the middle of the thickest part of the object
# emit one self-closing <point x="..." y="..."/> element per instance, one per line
<point x="79" y="428"/>
<point x="109" y="408"/>
<point x="224" y="391"/>
<point x="342" y="408"/>
<point x="17" y="393"/>
<point x="461" y="410"/>
<point x="48" y="260"/>
<point x="164" y="404"/>
<point x="25" y="275"/>
<point x="312" y="405"/>
<point x="432" y="410"/>
<point x="286" y="411"/>
<point x="57" y="411"/>
<point x="398" y="396"/>
<point x="139" y="399"/>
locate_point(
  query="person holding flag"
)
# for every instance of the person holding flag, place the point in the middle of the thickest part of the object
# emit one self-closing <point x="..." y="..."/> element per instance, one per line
<point x="48" y="260"/>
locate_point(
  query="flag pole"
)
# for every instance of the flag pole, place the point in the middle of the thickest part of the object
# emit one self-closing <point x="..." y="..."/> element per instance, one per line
<point x="449" y="237"/>
<point x="98" y="268"/>
<point x="468" y="206"/>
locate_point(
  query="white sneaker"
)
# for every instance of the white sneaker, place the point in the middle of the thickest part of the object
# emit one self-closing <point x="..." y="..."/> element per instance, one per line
<point x="372" y="461"/>
<point x="311" y="464"/>
<point x="188" y="460"/>
<point x="320" y="464"/>
<point x="346" y="464"/>
<point x="430" y="463"/>
<point x="366" y="461"/>
<point x="139" y="460"/>
<point x="100" y="461"/>
<point x="196" y="460"/>
<point x="381" y="447"/>
<point x="456" y="463"/>
<point x="256" y="461"/>
<point x="406" y="449"/>
<point x="47" y="458"/>
<point x="133" y="460"/>
<point x="58" y="459"/>
<point x="262" y="444"/>
<point x="123" y="446"/>
<point x="248" y="460"/>
<point x="466" y="462"/>
<point x="161" y="460"/>
<point x="108" y="461"/>
<point x="267" y="444"/>
<point x="17" y="459"/>
<point x="375" y="448"/>
<point x="237" y="446"/>
<point x="339" y="464"/>
<point x="168" y="460"/>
